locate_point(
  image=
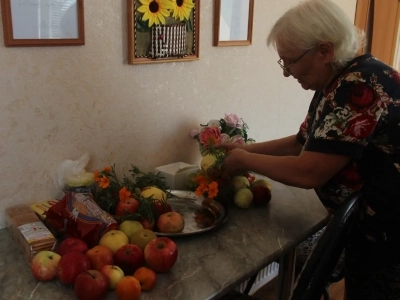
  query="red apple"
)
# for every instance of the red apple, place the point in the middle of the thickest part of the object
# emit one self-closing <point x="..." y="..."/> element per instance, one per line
<point x="129" y="258"/>
<point x="146" y="277"/>
<point x="72" y="244"/>
<point x="160" y="254"/>
<point x="261" y="195"/>
<point x="161" y="207"/>
<point x="100" y="256"/>
<point x="44" y="265"/>
<point x="147" y="224"/>
<point x="127" y="207"/>
<point x="71" y="265"/>
<point x="91" y="285"/>
<point x="170" y="222"/>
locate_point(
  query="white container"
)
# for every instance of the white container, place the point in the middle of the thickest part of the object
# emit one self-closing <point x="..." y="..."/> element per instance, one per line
<point x="176" y="174"/>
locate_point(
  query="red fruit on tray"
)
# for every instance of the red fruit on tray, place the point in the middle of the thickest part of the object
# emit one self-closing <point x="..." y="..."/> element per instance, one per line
<point x="127" y="207"/>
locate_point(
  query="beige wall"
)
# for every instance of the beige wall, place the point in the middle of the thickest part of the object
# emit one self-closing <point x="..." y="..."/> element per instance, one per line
<point x="58" y="102"/>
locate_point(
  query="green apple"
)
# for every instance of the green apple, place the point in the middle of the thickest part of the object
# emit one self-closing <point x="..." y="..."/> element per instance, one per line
<point x="262" y="182"/>
<point x="142" y="237"/>
<point x="129" y="227"/>
<point x="154" y="192"/>
<point x="207" y="161"/>
<point x="239" y="182"/>
<point x="114" y="239"/>
<point x="243" y="198"/>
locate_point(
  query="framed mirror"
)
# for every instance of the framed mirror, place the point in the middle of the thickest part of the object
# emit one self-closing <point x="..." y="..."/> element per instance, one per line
<point x="233" y="22"/>
<point x="43" y="23"/>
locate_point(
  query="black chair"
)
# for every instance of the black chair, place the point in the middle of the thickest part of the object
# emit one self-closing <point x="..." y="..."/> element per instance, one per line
<point x="316" y="274"/>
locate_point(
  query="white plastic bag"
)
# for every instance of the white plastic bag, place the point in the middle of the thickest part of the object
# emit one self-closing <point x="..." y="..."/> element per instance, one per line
<point x="73" y="173"/>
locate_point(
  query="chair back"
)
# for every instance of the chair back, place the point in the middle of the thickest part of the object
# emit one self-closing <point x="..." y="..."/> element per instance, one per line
<point x="321" y="263"/>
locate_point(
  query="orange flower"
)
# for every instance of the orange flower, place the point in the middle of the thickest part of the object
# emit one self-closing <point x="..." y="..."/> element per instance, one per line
<point x="124" y="194"/>
<point x="107" y="169"/>
<point x="200" y="179"/>
<point x="96" y="176"/>
<point x="104" y="182"/>
<point x="212" y="190"/>
<point x="202" y="188"/>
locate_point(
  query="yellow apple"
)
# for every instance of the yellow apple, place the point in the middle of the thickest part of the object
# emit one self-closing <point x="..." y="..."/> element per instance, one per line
<point x="154" y="192"/>
<point x="113" y="273"/>
<point x="239" y="182"/>
<point x="129" y="227"/>
<point x="243" y="198"/>
<point x="207" y="161"/>
<point x="114" y="239"/>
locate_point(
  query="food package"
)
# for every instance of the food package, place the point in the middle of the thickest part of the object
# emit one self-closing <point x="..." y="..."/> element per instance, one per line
<point x="41" y="207"/>
<point x="78" y="215"/>
<point x="29" y="233"/>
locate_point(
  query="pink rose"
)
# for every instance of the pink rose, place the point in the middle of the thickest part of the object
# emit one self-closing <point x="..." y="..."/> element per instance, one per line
<point x="237" y="139"/>
<point x="194" y="133"/>
<point x="232" y="120"/>
<point x="224" y="138"/>
<point x="209" y="136"/>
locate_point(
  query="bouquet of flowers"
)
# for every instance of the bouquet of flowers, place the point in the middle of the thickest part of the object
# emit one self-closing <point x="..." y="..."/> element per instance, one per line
<point x="208" y="181"/>
<point x="124" y="198"/>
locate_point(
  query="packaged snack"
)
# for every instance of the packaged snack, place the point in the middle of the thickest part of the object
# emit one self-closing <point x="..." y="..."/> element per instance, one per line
<point x="29" y="233"/>
<point x="78" y="215"/>
<point x="41" y="207"/>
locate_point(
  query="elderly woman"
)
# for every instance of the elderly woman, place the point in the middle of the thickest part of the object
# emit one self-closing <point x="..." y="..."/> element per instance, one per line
<point x="349" y="140"/>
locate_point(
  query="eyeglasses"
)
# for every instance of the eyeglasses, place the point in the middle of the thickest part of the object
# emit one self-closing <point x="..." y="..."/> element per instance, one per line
<point x="286" y="69"/>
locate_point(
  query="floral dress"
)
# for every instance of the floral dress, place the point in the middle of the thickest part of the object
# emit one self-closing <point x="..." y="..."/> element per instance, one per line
<point x="361" y="110"/>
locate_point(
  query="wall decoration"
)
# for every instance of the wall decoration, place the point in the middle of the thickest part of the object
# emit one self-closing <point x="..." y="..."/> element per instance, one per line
<point x="163" y="30"/>
<point x="233" y="22"/>
<point x="43" y="22"/>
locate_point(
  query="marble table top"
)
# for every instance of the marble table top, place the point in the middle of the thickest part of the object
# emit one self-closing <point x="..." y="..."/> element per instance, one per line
<point x="209" y="264"/>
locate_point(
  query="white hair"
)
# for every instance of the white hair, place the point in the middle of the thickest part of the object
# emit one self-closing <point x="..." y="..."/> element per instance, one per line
<point x="315" y="21"/>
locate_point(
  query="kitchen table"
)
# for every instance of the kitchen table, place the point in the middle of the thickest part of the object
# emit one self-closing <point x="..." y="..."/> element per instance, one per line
<point x="209" y="264"/>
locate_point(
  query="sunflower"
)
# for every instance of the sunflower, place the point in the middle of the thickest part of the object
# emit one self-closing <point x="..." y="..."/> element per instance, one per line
<point x="154" y="10"/>
<point x="181" y="9"/>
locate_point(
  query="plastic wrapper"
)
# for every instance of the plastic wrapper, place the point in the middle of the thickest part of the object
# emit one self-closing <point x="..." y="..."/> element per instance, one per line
<point x="78" y="215"/>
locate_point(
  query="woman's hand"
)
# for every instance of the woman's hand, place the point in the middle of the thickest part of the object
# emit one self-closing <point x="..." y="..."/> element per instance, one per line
<point x="234" y="162"/>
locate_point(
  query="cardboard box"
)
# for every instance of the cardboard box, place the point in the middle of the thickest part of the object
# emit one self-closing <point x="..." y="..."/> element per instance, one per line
<point x="176" y="174"/>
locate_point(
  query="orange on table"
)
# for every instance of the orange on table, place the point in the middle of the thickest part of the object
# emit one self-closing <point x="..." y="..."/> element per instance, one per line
<point x="128" y="288"/>
<point x="146" y="277"/>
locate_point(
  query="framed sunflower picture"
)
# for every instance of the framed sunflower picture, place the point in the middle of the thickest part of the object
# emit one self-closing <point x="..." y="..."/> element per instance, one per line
<point x="163" y="30"/>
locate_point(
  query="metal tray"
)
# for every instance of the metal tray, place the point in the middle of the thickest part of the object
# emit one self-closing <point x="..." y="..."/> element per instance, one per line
<point x="200" y="214"/>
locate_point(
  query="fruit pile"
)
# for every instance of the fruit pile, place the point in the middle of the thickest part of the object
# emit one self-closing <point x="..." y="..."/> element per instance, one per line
<point x="127" y="260"/>
<point x="248" y="191"/>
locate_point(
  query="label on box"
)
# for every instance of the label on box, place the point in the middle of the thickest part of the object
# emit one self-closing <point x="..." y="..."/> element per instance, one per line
<point x="35" y="231"/>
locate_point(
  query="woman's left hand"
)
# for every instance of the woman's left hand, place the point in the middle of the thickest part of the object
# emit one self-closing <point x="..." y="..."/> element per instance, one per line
<point x="234" y="162"/>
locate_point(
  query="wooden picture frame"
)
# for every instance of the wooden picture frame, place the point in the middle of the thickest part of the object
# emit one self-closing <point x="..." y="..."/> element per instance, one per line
<point x="43" y="23"/>
<point x="176" y="40"/>
<point x="233" y="22"/>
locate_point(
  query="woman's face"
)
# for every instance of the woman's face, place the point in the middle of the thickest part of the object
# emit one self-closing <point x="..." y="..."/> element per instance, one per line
<point x="311" y="68"/>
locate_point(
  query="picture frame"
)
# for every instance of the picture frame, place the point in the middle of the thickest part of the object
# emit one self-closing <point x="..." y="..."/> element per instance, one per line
<point x="227" y="30"/>
<point x="175" y="41"/>
<point x="43" y="23"/>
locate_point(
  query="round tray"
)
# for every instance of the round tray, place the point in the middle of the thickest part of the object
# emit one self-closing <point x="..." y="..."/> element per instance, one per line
<point x="200" y="214"/>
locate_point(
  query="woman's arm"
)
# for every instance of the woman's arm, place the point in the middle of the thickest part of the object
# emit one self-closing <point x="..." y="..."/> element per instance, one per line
<point x="280" y="147"/>
<point x="307" y="170"/>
